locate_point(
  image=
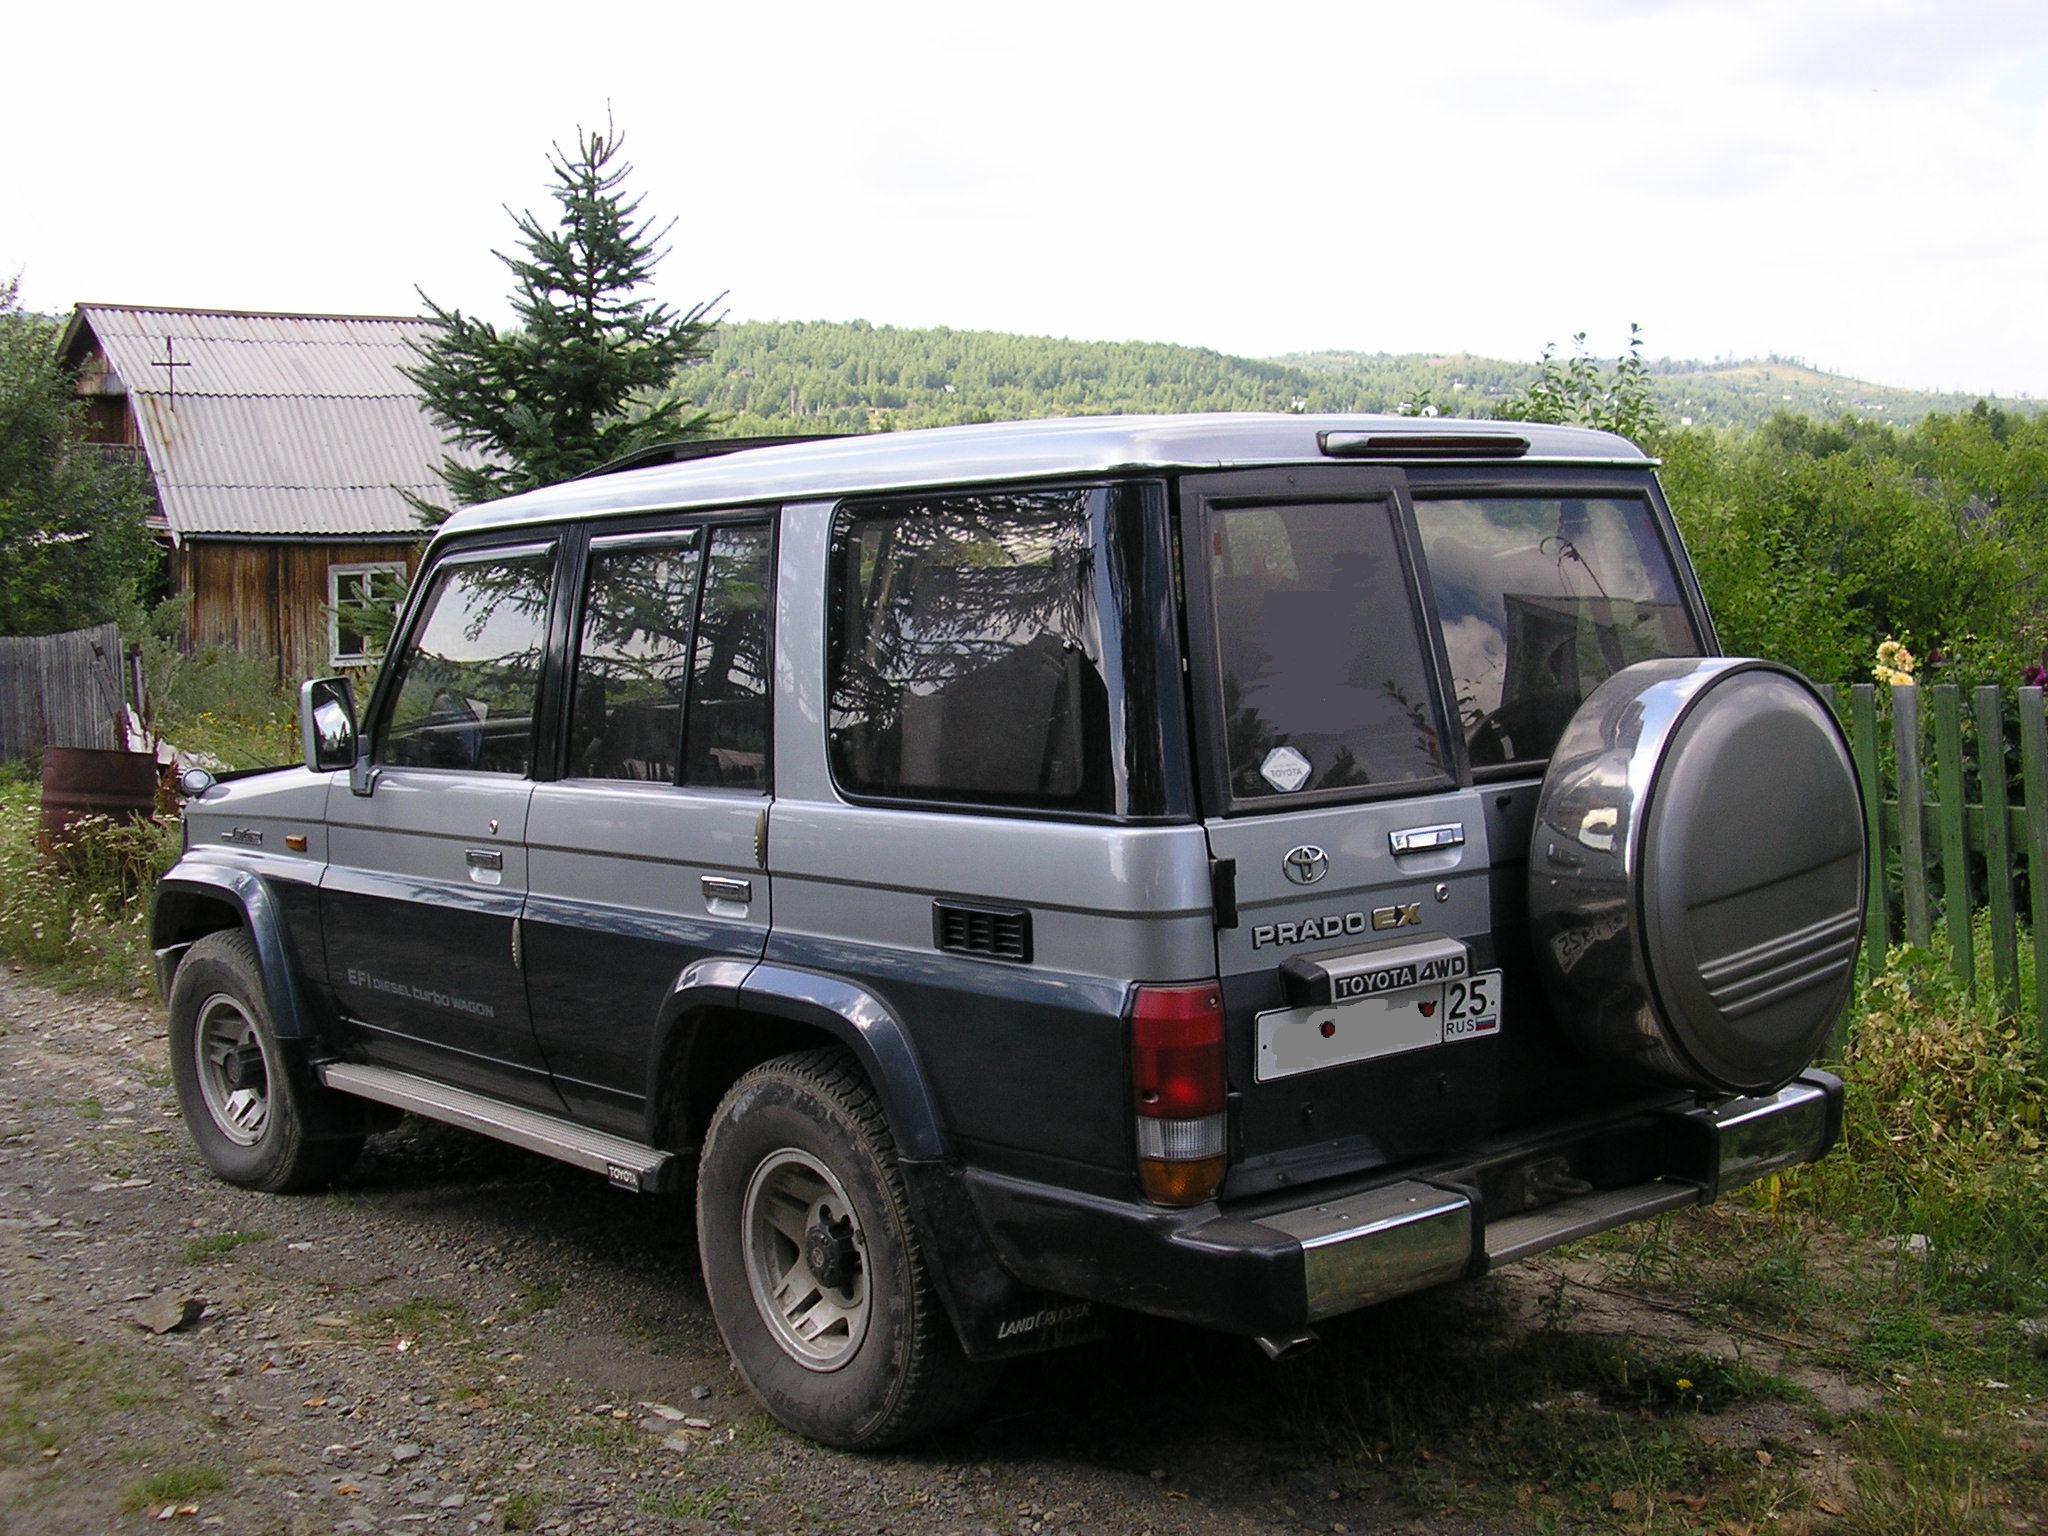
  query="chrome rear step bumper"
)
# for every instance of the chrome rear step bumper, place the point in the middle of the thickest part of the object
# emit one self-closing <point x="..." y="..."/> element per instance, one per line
<point x="1273" y="1269"/>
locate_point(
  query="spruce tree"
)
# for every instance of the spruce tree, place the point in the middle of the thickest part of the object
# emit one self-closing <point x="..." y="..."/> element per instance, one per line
<point x="589" y="371"/>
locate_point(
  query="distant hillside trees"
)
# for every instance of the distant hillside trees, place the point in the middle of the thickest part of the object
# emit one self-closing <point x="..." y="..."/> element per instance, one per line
<point x="827" y="376"/>
<point x="593" y="366"/>
<point x="77" y="549"/>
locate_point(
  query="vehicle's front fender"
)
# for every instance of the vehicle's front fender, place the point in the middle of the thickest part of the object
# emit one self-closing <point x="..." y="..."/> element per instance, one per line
<point x="185" y="910"/>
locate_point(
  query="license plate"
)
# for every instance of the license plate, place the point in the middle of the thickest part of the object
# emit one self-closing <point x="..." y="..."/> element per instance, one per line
<point x="1472" y="1006"/>
<point x="1293" y="1040"/>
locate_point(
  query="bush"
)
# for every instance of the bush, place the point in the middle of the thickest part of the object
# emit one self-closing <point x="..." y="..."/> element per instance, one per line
<point x="223" y="703"/>
<point x="1814" y="543"/>
<point x="1943" y="1137"/>
<point x="87" y="919"/>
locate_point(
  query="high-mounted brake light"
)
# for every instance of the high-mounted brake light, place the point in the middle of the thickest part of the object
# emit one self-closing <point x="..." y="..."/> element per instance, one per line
<point x="1421" y="445"/>
<point x="1177" y="1091"/>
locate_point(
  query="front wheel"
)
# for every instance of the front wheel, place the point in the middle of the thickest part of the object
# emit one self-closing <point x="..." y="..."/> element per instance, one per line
<point x="812" y="1263"/>
<point x="247" y="1111"/>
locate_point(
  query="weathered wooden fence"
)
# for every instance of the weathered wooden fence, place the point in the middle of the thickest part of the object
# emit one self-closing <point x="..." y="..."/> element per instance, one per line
<point x="60" y="691"/>
<point x="1955" y="801"/>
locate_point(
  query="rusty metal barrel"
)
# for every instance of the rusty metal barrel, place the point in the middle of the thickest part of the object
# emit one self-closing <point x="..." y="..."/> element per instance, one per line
<point x="89" y="781"/>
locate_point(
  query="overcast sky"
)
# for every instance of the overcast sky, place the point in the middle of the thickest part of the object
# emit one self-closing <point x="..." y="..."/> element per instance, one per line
<point x="1864" y="185"/>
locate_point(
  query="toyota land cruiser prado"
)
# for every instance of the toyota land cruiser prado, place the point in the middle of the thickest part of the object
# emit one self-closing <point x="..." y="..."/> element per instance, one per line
<point x="1238" y="868"/>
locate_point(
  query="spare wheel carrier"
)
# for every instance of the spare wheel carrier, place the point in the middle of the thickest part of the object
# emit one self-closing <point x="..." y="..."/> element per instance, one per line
<point x="1696" y="878"/>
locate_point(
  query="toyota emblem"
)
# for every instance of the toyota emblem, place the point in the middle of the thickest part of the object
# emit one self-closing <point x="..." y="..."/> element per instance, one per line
<point x="1306" y="865"/>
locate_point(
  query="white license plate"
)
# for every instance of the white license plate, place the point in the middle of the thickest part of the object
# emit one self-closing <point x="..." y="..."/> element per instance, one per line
<point x="1293" y="1040"/>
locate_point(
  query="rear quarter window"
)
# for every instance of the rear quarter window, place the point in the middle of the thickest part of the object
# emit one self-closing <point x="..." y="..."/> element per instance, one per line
<point x="966" y="657"/>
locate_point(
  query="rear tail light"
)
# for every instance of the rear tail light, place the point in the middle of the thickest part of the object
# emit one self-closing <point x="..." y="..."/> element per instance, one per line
<point x="1177" y="1091"/>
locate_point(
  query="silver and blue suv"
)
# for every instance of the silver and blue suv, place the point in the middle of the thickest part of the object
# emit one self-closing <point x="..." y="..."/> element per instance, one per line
<point x="1237" y="868"/>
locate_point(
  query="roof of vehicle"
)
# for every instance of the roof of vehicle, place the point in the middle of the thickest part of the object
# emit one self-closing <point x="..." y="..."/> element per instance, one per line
<point x="1064" y="447"/>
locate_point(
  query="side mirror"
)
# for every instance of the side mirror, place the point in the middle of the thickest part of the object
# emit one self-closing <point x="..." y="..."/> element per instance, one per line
<point x="194" y="782"/>
<point x="327" y="723"/>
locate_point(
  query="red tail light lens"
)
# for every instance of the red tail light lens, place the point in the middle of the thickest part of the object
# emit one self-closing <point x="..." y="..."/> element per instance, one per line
<point x="1177" y="1089"/>
<point x="1177" y="1052"/>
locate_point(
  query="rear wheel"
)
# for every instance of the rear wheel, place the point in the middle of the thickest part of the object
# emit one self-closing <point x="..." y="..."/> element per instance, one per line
<point x="812" y="1262"/>
<point x="248" y="1107"/>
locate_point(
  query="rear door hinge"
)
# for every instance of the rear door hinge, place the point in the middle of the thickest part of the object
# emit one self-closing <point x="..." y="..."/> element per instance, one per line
<point x="518" y="952"/>
<point x="1223" y="891"/>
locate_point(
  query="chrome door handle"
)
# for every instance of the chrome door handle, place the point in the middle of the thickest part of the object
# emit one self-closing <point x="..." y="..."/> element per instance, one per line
<point x="1423" y="839"/>
<point x="485" y="858"/>
<point x="718" y="888"/>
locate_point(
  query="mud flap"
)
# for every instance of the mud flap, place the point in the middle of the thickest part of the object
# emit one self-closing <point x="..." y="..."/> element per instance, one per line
<point x="996" y="1315"/>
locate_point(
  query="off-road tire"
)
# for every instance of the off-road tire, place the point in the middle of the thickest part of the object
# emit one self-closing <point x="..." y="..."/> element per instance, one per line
<point x="221" y="970"/>
<point x="906" y="1375"/>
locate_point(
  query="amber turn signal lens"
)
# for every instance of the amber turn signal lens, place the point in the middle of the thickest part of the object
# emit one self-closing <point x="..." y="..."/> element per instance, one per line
<point x="1183" y="1184"/>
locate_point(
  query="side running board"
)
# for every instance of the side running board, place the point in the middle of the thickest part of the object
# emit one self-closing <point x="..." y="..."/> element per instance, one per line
<point x="627" y="1164"/>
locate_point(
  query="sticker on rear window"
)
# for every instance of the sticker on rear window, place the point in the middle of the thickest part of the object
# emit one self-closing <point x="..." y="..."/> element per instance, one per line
<point x="1285" y="769"/>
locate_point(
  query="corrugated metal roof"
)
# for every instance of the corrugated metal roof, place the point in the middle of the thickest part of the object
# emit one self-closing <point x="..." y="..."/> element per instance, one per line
<point x="279" y="425"/>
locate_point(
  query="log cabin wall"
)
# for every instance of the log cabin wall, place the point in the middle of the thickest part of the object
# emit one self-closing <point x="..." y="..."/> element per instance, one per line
<point x="269" y="597"/>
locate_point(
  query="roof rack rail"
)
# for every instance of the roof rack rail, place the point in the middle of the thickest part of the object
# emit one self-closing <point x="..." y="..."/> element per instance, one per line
<point x="691" y="449"/>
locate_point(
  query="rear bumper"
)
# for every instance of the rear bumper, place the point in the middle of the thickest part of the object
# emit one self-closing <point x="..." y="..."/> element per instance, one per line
<point x="1280" y="1264"/>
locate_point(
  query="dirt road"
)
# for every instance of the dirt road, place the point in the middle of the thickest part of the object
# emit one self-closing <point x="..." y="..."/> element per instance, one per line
<point x="464" y="1337"/>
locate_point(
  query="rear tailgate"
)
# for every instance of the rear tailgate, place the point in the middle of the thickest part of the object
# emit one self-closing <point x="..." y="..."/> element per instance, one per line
<point x="1445" y="1038"/>
<point x="1381" y="1000"/>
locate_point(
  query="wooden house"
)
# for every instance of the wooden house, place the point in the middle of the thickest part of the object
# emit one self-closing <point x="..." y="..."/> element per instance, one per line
<point x="281" y="447"/>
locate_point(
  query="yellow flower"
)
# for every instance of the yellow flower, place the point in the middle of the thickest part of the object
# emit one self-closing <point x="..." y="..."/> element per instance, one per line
<point x="1894" y="664"/>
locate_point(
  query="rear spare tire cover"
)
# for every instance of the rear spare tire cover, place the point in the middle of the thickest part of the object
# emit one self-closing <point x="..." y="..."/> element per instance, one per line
<point x="1697" y="873"/>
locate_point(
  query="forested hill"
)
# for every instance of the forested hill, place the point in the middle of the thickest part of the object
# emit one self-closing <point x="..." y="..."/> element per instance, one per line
<point x="824" y="376"/>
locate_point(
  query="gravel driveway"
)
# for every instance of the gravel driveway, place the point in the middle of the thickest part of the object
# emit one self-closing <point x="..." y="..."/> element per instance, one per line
<point x="465" y="1337"/>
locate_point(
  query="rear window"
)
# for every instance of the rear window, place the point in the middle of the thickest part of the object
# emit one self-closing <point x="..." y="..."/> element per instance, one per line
<point x="1324" y="682"/>
<point x="966" y="658"/>
<point x="1542" y="599"/>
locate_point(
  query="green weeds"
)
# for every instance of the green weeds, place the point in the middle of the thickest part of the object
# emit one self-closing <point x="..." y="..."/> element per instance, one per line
<point x="82" y="922"/>
<point x="697" y="1504"/>
<point x="1943" y="1154"/>
<point x="172" y="1486"/>
<point x="217" y="1245"/>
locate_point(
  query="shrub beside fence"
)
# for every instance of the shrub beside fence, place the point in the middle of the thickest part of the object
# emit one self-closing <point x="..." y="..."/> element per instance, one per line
<point x="1956" y="856"/>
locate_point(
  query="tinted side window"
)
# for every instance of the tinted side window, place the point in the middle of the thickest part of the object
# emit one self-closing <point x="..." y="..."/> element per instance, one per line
<point x="626" y="718"/>
<point x="727" y="741"/>
<point x="1324" y="681"/>
<point x="1542" y="600"/>
<point x="469" y="676"/>
<point x="966" y="651"/>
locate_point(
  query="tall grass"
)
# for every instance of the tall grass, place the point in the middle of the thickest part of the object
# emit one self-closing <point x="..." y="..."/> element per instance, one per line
<point x="223" y="703"/>
<point x="1945" y="1149"/>
<point x="83" y="922"/>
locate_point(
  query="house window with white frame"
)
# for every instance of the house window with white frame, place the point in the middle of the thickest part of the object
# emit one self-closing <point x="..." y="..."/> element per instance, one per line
<point x="353" y="593"/>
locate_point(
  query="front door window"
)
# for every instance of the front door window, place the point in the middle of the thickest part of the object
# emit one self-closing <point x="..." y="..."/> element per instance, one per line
<point x="469" y="677"/>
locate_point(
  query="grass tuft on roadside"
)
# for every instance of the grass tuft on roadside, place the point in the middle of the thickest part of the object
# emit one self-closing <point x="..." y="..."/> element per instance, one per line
<point x="172" y="1486"/>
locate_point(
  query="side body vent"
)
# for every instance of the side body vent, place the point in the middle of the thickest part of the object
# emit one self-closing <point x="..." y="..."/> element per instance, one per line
<point x="1000" y="933"/>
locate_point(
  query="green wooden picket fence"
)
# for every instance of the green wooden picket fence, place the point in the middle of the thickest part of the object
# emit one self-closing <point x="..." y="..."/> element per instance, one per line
<point x="1925" y="817"/>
